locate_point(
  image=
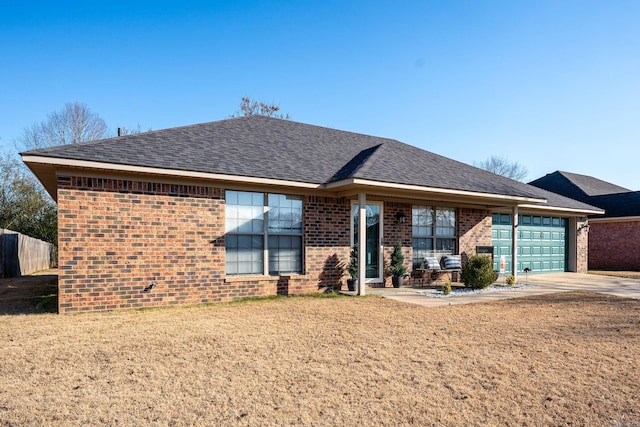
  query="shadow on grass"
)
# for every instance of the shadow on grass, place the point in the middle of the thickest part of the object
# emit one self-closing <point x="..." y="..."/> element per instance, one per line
<point x="33" y="294"/>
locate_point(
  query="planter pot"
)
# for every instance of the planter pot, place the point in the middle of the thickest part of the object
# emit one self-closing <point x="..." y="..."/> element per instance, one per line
<point x="397" y="281"/>
<point x="352" y="284"/>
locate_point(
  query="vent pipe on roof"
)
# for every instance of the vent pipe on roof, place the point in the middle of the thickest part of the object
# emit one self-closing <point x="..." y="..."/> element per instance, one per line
<point x="119" y="131"/>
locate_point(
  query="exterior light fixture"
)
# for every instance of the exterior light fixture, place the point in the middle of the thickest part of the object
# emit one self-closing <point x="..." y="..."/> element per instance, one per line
<point x="401" y="218"/>
<point x="584" y="226"/>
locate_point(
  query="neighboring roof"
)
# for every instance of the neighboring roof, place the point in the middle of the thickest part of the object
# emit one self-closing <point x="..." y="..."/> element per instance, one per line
<point x="576" y="186"/>
<point x="618" y="205"/>
<point x="615" y="200"/>
<point x="262" y="147"/>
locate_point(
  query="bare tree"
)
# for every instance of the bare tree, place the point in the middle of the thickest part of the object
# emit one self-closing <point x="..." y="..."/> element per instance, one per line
<point x="72" y="124"/>
<point x="255" y="108"/>
<point x="502" y="166"/>
<point x="24" y="205"/>
<point x="124" y="131"/>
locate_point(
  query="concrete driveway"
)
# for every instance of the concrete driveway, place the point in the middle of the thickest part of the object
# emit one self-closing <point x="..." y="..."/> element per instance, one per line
<point x="542" y="284"/>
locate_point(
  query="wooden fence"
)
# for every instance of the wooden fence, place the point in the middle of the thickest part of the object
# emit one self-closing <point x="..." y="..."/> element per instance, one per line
<point x="20" y="254"/>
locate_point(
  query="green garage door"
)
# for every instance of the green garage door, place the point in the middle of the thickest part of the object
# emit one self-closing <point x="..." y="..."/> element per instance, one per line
<point x="542" y="242"/>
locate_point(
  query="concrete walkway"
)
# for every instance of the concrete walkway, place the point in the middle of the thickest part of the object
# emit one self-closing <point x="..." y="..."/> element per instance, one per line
<point x="542" y="284"/>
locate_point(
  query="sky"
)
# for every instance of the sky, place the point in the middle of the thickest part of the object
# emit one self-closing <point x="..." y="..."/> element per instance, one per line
<point x="552" y="85"/>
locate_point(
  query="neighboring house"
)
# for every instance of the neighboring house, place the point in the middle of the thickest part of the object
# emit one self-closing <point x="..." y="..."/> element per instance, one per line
<point x="257" y="206"/>
<point x="614" y="237"/>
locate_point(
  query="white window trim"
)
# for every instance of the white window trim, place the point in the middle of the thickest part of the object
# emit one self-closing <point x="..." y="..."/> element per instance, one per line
<point x="265" y="238"/>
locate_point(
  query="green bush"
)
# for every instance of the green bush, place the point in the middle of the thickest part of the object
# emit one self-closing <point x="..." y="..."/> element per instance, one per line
<point x="446" y="288"/>
<point x="477" y="272"/>
<point x="352" y="267"/>
<point x="396" y="267"/>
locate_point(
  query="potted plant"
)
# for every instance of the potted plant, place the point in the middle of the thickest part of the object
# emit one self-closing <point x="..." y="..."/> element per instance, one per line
<point x="396" y="267"/>
<point x="352" y="268"/>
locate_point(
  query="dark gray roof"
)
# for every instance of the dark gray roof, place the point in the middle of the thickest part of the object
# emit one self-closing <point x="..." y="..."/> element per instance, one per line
<point x="616" y="201"/>
<point x="262" y="147"/>
<point x="618" y="205"/>
<point x="576" y="186"/>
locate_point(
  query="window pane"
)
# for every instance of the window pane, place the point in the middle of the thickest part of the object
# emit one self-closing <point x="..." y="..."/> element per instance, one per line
<point x="241" y="215"/>
<point x="231" y="197"/>
<point x="276" y="200"/>
<point x="285" y="214"/>
<point x="244" y="254"/>
<point x="445" y="245"/>
<point x="232" y="267"/>
<point x="445" y="222"/>
<point x="422" y="221"/>
<point x="285" y="254"/>
<point x="257" y="199"/>
<point x="421" y="248"/>
<point x="244" y="198"/>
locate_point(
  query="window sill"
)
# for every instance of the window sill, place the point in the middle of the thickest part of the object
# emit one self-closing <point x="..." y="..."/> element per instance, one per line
<point x="238" y="279"/>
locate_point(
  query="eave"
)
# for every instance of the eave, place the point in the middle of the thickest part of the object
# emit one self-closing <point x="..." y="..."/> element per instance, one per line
<point x="47" y="170"/>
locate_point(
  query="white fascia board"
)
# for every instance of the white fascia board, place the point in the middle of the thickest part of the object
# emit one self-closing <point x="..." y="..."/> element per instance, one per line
<point x="564" y="210"/>
<point x="616" y="219"/>
<point x="165" y="172"/>
<point x="434" y="190"/>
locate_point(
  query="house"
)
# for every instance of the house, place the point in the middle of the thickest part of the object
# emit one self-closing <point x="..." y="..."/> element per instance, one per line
<point x="256" y="206"/>
<point x="614" y="237"/>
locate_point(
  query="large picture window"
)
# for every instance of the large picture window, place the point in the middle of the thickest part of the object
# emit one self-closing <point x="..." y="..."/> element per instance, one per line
<point x="263" y="227"/>
<point x="434" y="232"/>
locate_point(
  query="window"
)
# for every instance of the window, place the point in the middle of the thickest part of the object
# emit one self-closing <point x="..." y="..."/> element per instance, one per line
<point x="434" y="232"/>
<point x="263" y="227"/>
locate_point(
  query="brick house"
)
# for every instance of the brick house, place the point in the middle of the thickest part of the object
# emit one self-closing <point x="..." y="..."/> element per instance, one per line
<point x="257" y="206"/>
<point x="614" y="237"/>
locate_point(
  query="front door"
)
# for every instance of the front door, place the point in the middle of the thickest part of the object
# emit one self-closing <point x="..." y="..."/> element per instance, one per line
<point x="373" y="251"/>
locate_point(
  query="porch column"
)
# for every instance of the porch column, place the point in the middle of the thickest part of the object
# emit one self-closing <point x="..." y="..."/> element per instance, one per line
<point x="514" y="243"/>
<point x="362" y="242"/>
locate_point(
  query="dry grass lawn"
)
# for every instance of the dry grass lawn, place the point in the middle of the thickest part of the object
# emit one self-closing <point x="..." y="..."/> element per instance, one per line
<point x="548" y="360"/>
<point x="625" y="274"/>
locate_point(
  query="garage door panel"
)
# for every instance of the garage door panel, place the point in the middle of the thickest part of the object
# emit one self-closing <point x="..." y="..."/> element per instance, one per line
<point x="542" y="242"/>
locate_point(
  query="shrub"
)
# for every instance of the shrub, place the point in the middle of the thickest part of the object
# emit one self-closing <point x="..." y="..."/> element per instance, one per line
<point x="511" y="280"/>
<point x="446" y="288"/>
<point x="477" y="272"/>
<point x="352" y="267"/>
<point x="396" y="267"/>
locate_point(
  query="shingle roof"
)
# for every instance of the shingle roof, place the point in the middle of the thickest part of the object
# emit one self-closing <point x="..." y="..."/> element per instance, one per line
<point x="618" y="205"/>
<point x="576" y="186"/>
<point x="262" y="147"/>
<point x="616" y="201"/>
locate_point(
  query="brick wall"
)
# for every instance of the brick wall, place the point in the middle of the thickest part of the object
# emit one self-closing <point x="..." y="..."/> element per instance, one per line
<point x="326" y="241"/>
<point x="118" y="237"/>
<point x="582" y="245"/>
<point x="474" y="229"/>
<point x="327" y="228"/>
<point x="614" y="245"/>
<point x="395" y="232"/>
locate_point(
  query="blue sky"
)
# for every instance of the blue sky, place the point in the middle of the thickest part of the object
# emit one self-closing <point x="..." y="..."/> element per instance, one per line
<point x="553" y="85"/>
